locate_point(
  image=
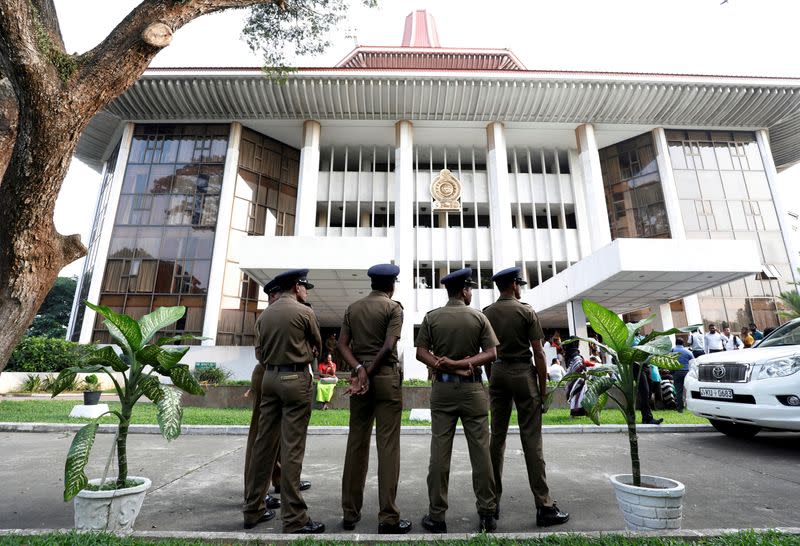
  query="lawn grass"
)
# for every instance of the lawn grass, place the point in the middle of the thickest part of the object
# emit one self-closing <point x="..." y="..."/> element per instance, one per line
<point x="745" y="538"/>
<point x="57" y="411"/>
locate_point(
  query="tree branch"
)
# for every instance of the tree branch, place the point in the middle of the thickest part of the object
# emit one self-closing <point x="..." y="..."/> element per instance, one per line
<point x="122" y="57"/>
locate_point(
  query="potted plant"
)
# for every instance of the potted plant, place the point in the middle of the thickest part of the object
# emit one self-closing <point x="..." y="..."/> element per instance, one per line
<point x="91" y="390"/>
<point x="113" y="504"/>
<point x="647" y="502"/>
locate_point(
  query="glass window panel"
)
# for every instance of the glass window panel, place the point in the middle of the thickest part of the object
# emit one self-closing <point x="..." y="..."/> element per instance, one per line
<point x="676" y="155"/>
<point x="219" y="146"/>
<point x="721" y="217"/>
<point x="122" y="243"/>
<point x="712" y="310"/>
<point x="737" y="215"/>
<point x="138" y="147"/>
<point x="723" y="156"/>
<point x="772" y="247"/>
<point x="708" y="156"/>
<point x="158" y="212"/>
<point x="113" y="274"/>
<point x="186" y="150"/>
<point x="164" y="275"/>
<point x="148" y="242"/>
<point x="199" y="244"/>
<point x="173" y="244"/>
<point x="737" y="313"/>
<point x="179" y="211"/>
<point x="135" y="180"/>
<point x="689" y="213"/>
<point x="734" y="184"/>
<point x="160" y="179"/>
<point x="687" y="185"/>
<point x="753" y="156"/>
<point x="769" y="216"/>
<point x="711" y="184"/>
<point x="757" y="185"/>
<point x="186" y="179"/>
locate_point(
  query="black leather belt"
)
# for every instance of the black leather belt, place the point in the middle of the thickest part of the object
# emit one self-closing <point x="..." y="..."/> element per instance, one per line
<point x="525" y="360"/>
<point x="288" y="367"/>
<point x="453" y="378"/>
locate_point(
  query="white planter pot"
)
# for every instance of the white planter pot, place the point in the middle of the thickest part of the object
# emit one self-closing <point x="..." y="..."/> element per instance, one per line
<point x="114" y="510"/>
<point x="656" y="505"/>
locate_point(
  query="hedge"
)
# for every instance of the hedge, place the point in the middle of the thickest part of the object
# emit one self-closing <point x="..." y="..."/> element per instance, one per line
<point x="41" y="354"/>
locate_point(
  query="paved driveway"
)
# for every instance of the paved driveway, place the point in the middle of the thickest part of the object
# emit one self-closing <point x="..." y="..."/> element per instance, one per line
<point x="197" y="483"/>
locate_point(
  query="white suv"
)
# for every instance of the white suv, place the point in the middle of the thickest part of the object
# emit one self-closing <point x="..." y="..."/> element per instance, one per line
<point x="746" y="390"/>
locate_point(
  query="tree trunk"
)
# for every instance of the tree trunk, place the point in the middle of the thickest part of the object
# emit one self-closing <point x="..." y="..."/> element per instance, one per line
<point x="8" y="123"/>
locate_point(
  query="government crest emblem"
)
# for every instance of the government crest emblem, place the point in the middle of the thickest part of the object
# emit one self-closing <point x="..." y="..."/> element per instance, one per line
<point x="446" y="191"/>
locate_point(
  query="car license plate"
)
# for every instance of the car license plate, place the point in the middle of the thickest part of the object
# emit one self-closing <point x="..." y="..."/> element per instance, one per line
<point x="716" y="393"/>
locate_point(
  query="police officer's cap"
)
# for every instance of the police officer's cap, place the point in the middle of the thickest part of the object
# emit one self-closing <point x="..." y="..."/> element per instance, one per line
<point x="383" y="271"/>
<point x="287" y="279"/>
<point x="271" y="287"/>
<point x="509" y="274"/>
<point x="460" y="277"/>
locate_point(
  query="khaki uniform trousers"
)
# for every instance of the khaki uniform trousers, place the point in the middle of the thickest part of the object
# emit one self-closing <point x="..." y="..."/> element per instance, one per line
<point x="283" y="421"/>
<point x="382" y="404"/>
<point x="516" y="382"/>
<point x="255" y="393"/>
<point x="469" y="402"/>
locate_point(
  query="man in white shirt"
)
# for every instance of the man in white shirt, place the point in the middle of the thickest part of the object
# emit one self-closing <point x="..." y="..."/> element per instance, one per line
<point x="713" y="340"/>
<point x="555" y="372"/>
<point x="695" y="343"/>
<point x="731" y="341"/>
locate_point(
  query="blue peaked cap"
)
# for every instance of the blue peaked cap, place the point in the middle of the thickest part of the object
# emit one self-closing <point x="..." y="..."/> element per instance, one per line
<point x="292" y="277"/>
<point x="510" y="274"/>
<point x="271" y="286"/>
<point x="383" y="270"/>
<point x="463" y="276"/>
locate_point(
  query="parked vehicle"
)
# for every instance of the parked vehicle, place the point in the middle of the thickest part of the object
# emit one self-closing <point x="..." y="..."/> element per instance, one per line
<point x="742" y="392"/>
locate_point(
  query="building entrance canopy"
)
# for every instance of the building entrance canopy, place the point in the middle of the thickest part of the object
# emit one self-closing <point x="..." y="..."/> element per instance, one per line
<point x="338" y="268"/>
<point x="631" y="274"/>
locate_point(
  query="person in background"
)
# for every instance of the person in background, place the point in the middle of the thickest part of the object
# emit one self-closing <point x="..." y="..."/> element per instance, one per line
<point x="555" y="371"/>
<point x="757" y="334"/>
<point x="327" y="381"/>
<point x="713" y="340"/>
<point x="731" y="341"/>
<point x="696" y="343"/>
<point x="679" y="376"/>
<point x="747" y="338"/>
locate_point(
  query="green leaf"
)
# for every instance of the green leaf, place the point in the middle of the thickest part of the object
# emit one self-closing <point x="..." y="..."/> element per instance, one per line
<point x="158" y="319"/>
<point x="107" y="356"/>
<point x="64" y="380"/>
<point x="634" y="326"/>
<point x="667" y="361"/>
<point x="170" y="412"/>
<point x="655" y="333"/>
<point x="169" y="358"/>
<point x="183" y="337"/>
<point x="122" y="328"/>
<point x="595" y="389"/>
<point x="606" y="348"/>
<point x="607" y="324"/>
<point x="148" y="355"/>
<point x="657" y="346"/>
<point x="77" y="458"/>
<point x="184" y="380"/>
<point x="151" y="388"/>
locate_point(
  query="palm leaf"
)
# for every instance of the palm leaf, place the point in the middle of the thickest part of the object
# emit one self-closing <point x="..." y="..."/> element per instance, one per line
<point x="169" y="412"/>
<point x="151" y="388"/>
<point x="122" y="328"/>
<point x="607" y="324"/>
<point x="78" y="457"/>
<point x="184" y="380"/>
<point x="158" y="319"/>
<point x="791" y="299"/>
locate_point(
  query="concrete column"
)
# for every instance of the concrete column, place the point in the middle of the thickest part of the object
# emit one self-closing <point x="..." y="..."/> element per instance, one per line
<point x="499" y="196"/>
<point x="596" y="212"/>
<point x="670" y="191"/>
<point x="222" y="234"/>
<point x="663" y="320"/>
<point x="581" y="216"/>
<point x="308" y="180"/>
<point x="104" y="241"/>
<point x="762" y="137"/>
<point x="404" y="243"/>
<point x="577" y="324"/>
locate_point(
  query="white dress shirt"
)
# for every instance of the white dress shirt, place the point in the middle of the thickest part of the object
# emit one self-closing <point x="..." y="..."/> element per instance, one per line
<point x="714" y="342"/>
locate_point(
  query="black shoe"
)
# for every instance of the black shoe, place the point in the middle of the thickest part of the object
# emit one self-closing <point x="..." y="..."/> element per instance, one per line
<point x="272" y="502"/>
<point x="550" y="515"/>
<point x="266" y="516"/>
<point x="654" y="421"/>
<point x="400" y="528"/>
<point x="434" y="526"/>
<point x="310" y="528"/>
<point x="304" y="485"/>
<point x="350" y="524"/>
<point x="487" y="524"/>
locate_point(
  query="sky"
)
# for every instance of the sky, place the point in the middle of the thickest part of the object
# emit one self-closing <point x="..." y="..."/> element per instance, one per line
<point x="719" y="37"/>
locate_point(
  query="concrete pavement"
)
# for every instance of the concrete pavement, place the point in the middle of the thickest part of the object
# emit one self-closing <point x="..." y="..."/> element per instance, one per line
<point x="197" y="481"/>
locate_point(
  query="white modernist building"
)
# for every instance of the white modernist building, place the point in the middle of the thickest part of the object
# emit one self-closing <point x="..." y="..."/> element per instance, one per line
<point x="641" y="191"/>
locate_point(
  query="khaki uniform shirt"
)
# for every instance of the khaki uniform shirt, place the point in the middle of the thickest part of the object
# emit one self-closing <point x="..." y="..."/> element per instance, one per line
<point x="516" y="324"/>
<point x="455" y="331"/>
<point x="368" y="321"/>
<point x="286" y="332"/>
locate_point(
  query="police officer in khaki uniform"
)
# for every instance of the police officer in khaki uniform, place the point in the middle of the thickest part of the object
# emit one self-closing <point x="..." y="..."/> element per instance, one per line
<point x="514" y="380"/>
<point x="288" y="336"/>
<point x="455" y="341"/>
<point x="273" y="293"/>
<point x="368" y="343"/>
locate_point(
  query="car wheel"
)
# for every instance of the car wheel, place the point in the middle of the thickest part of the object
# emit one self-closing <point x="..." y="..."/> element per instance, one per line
<point x="735" y="430"/>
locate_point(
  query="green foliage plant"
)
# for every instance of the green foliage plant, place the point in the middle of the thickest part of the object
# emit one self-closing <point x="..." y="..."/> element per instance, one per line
<point x="791" y="300"/>
<point x="141" y="362"/>
<point x="32" y="383"/>
<point x="91" y="383"/>
<point x="627" y="359"/>
<point x="42" y="354"/>
<point x="212" y="376"/>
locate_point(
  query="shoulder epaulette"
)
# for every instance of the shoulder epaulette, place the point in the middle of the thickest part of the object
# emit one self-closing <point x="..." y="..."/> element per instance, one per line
<point x="398" y="303"/>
